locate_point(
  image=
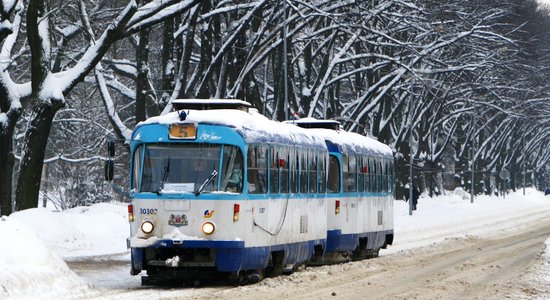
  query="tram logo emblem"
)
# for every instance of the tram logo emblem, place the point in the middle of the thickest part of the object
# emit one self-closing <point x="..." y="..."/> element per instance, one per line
<point x="178" y="220"/>
<point x="208" y="213"/>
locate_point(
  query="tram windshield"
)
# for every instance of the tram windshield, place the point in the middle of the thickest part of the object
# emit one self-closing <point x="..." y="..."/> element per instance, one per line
<point x="193" y="168"/>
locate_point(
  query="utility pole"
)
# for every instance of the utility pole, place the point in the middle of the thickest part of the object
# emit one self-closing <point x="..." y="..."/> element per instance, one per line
<point x="524" y="159"/>
<point x="410" y="176"/>
<point x="410" y="155"/>
<point x="473" y="157"/>
<point x="285" y="62"/>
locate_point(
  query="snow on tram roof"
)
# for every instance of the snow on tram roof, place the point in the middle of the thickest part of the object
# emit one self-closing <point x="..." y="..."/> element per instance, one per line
<point x="207" y="104"/>
<point x="256" y="128"/>
<point x="253" y="126"/>
<point x="349" y="141"/>
<point x="355" y="142"/>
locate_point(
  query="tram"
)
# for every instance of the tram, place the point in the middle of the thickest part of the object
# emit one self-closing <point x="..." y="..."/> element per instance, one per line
<point x="217" y="189"/>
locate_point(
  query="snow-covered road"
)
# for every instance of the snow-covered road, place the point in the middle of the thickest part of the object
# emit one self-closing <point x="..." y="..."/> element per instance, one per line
<point x="447" y="230"/>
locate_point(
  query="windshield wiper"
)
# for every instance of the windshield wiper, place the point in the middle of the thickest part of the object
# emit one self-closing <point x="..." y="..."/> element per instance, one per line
<point x="164" y="176"/>
<point x="206" y="182"/>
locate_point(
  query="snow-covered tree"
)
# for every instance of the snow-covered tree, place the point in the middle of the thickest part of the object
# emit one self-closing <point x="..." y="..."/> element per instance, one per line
<point x="48" y="87"/>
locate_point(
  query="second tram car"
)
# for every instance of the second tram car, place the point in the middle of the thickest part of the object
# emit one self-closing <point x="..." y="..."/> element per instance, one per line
<point x="218" y="189"/>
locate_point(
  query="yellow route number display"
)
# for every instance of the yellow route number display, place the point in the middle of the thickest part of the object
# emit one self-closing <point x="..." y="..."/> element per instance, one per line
<point x="183" y="131"/>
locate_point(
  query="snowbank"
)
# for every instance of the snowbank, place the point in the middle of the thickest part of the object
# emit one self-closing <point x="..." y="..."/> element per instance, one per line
<point x="453" y="216"/>
<point x="29" y="269"/>
<point x="99" y="229"/>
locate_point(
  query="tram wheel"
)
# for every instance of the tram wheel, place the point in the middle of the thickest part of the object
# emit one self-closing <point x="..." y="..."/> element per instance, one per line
<point x="276" y="268"/>
<point x="373" y="253"/>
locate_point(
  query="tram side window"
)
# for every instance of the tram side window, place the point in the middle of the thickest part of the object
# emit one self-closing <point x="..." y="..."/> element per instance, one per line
<point x="274" y="171"/>
<point x="294" y="171"/>
<point x="284" y="171"/>
<point x="333" y="184"/>
<point x="361" y="173"/>
<point x="349" y="169"/>
<point x="312" y="159"/>
<point x="137" y="166"/>
<point x="232" y="170"/>
<point x="321" y="174"/>
<point x="390" y="176"/>
<point x="257" y="169"/>
<point x="381" y="177"/>
<point x="374" y="177"/>
<point x="368" y="187"/>
<point x="303" y="171"/>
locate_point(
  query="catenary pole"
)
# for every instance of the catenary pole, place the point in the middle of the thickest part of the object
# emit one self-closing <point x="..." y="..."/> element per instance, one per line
<point x="473" y="158"/>
<point x="524" y="159"/>
<point x="410" y="156"/>
<point x="285" y="62"/>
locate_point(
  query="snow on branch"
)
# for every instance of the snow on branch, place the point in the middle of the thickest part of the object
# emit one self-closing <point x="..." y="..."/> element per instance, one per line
<point x="155" y="12"/>
<point x="119" y="127"/>
<point x="95" y="52"/>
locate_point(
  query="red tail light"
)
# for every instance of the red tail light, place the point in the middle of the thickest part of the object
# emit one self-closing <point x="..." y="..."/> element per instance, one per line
<point x="131" y="217"/>
<point x="236" y="210"/>
<point x="337" y="208"/>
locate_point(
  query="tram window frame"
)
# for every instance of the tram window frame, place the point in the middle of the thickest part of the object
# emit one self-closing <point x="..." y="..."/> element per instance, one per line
<point x="257" y="169"/>
<point x="333" y="181"/>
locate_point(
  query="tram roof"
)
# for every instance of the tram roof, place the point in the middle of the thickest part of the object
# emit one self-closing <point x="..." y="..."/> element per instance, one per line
<point x="357" y="143"/>
<point x="253" y="126"/>
<point x="315" y="123"/>
<point x="208" y="104"/>
<point x="347" y="141"/>
<point x="256" y="128"/>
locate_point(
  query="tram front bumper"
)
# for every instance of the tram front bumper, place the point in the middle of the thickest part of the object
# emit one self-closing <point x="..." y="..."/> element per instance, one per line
<point x="224" y="256"/>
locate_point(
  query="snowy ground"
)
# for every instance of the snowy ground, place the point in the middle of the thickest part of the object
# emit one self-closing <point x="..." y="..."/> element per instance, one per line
<point x="35" y="243"/>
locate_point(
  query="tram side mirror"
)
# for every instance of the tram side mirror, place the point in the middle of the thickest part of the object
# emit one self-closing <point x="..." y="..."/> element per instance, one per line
<point x="109" y="170"/>
<point x="109" y="164"/>
<point x="111" y="148"/>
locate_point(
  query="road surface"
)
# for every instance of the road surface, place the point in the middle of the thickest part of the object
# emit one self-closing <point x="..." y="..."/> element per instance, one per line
<point x="499" y="267"/>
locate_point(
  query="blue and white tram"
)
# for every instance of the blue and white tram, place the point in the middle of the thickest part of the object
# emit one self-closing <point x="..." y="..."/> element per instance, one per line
<point x="360" y="189"/>
<point x="217" y="188"/>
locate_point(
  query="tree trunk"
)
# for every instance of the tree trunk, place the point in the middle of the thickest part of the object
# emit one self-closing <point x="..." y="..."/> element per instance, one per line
<point x="36" y="139"/>
<point x="187" y="51"/>
<point x="7" y="162"/>
<point x="167" y="60"/>
<point x="206" y="52"/>
<point x="142" y="54"/>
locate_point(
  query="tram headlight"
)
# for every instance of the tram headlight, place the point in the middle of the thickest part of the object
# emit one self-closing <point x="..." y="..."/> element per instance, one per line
<point x="208" y="228"/>
<point x="147" y="227"/>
